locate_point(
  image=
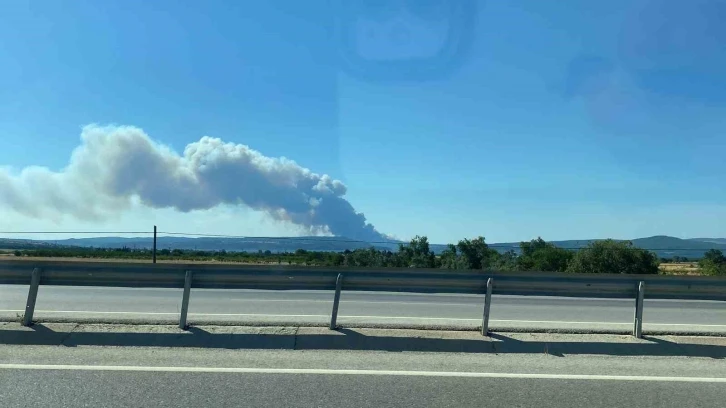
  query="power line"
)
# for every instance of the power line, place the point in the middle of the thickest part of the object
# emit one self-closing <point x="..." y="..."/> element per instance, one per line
<point x="336" y="239"/>
<point x="75" y="232"/>
<point x="310" y="239"/>
<point x="189" y="234"/>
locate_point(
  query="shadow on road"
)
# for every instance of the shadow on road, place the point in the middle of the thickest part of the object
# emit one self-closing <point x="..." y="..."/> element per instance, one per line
<point x="370" y="339"/>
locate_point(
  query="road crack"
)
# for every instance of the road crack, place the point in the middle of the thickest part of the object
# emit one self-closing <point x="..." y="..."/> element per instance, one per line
<point x="63" y="340"/>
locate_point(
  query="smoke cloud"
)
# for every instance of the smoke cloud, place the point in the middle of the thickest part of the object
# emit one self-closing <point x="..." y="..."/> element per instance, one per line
<point x="115" y="165"/>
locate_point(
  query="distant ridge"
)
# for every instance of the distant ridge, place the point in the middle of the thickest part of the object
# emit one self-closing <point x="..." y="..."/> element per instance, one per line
<point x="710" y="240"/>
<point x="663" y="245"/>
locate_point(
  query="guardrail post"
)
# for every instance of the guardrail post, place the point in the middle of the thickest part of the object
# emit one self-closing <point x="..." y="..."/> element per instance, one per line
<point x="638" y="323"/>
<point x="336" y="301"/>
<point x="32" y="297"/>
<point x="153" y="249"/>
<point x="487" y="308"/>
<point x="185" y="300"/>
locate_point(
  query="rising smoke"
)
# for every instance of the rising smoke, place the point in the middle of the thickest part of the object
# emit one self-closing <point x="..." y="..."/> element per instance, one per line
<point x="114" y="165"/>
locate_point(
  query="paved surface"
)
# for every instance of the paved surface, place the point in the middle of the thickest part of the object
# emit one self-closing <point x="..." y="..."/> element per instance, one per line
<point x="363" y="339"/>
<point x="358" y="308"/>
<point x="51" y="376"/>
<point x="139" y="389"/>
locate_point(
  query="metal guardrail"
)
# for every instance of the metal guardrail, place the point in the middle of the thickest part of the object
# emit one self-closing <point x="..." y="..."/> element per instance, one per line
<point x="278" y="277"/>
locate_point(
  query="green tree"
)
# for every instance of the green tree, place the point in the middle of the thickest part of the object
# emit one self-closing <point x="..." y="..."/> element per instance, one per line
<point x="539" y="255"/>
<point x="715" y="256"/>
<point x="710" y="268"/>
<point x="469" y="254"/>
<point x="506" y="262"/>
<point x="449" y="257"/>
<point x="609" y="256"/>
<point x="713" y="263"/>
<point x="475" y="253"/>
<point x="417" y="253"/>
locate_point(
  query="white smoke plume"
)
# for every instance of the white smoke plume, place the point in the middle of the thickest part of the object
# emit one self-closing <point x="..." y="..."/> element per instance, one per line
<point x="115" y="165"/>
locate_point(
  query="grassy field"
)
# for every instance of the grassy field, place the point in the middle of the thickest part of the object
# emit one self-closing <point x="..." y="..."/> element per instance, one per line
<point x="681" y="268"/>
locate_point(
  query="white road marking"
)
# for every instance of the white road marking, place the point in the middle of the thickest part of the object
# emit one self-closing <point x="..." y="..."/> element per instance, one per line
<point x="314" y="371"/>
<point x="358" y="317"/>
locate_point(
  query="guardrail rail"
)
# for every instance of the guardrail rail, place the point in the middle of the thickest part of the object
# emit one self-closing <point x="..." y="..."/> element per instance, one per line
<point x="283" y="277"/>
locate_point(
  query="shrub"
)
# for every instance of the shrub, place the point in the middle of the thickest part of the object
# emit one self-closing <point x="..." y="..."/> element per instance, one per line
<point x="538" y="255"/>
<point x="713" y="263"/>
<point x="609" y="256"/>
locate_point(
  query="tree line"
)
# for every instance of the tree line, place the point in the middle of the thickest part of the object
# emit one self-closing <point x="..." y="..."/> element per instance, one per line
<point x="606" y="256"/>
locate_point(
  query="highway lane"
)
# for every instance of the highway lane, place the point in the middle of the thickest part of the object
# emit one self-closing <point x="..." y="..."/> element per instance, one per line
<point x="355" y="306"/>
<point x="42" y="376"/>
<point x="47" y="388"/>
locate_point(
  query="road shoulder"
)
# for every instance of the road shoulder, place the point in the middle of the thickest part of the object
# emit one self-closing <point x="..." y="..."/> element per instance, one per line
<point x="392" y="340"/>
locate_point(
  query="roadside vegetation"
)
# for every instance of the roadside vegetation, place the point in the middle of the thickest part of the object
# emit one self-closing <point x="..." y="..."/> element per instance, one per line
<point x="606" y="256"/>
<point x="713" y="263"/>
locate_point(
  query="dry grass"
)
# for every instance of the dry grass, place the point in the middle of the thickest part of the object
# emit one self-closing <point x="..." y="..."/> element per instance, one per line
<point x="681" y="268"/>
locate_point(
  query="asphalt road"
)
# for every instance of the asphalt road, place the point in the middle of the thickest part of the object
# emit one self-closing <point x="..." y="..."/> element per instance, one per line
<point x="145" y="389"/>
<point x="41" y="376"/>
<point x="360" y="307"/>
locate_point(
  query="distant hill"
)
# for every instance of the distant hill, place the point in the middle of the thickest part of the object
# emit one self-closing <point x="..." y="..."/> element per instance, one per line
<point x="274" y="244"/>
<point x="710" y="240"/>
<point x="664" y="242"/>
<point x="7" y="243"/>
<point x="664" y="246"/>
<point x="668" y="247"/>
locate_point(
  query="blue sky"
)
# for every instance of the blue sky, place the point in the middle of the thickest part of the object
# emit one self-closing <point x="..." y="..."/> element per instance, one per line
<point x="566" y="121"/>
